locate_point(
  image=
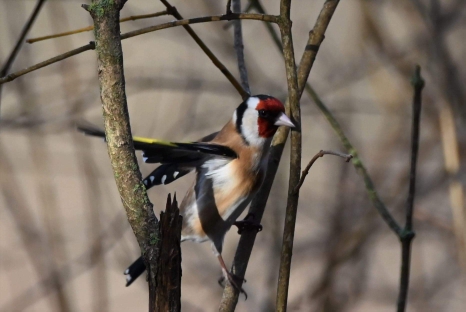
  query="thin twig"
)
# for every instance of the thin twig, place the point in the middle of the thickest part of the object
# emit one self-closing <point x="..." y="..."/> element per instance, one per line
<point x="246" y="243"/>
<point x="173" y="11"/>
<point x="408" y="233"/>
<point x="305" y="172"/>
<point x="24" y="32"/>
<point x="11" y="58"/>
<point x="89" y="28"/>
<point x="239" y="47"/>
<point x="357" y="162"/>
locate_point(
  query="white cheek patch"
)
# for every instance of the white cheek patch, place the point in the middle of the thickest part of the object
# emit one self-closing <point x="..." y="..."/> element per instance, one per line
<point x="250" y="127"/>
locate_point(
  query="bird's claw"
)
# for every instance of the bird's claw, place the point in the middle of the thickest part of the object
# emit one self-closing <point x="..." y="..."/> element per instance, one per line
<point x="248" y="223"/>
<point x="234" y="281"/>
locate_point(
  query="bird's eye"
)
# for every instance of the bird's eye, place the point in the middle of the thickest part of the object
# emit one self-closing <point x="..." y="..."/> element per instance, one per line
<point x="263" y="113"/>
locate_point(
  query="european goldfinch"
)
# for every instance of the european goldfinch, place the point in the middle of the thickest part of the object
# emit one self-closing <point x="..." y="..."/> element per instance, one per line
<point x="230" y="166"/>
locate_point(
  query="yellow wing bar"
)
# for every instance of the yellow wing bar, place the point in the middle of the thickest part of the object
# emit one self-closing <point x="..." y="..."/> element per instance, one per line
<point x="153" y="141"/>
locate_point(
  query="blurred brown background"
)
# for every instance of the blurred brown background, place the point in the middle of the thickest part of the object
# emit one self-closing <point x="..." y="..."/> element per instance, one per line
<point x="64" y="240"/>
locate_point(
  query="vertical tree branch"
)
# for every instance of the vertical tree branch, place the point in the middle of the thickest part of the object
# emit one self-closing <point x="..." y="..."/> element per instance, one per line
<point x="239" y="47"/>
<point x="246" y="243"/>
<point x="168" y="297"/>
<point x="408" y="233"/>
<point x="6" y="67"/>
<point x="295" y="156"/>
<point x="118" y="133"/>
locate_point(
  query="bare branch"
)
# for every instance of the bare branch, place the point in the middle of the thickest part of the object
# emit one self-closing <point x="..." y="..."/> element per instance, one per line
<point x="206" y="19"/>
<point x="239" y="47"/>
<point x="357" y="162"/>
<point x="408" y="234"/>
<point x="11" y="58"/>
<point x="305" y="172"/>
<point x="118" y="134"/>
<point x="89" y="28"/>
<point x="24" y="32"/>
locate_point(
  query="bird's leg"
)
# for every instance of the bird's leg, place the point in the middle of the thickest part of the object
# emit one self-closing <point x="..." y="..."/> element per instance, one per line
<point x="233" y="279"/>
<point x="248" y="223"/>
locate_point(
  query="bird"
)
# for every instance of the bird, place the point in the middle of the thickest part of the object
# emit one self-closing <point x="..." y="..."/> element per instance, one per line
<point x="230" y="167"/>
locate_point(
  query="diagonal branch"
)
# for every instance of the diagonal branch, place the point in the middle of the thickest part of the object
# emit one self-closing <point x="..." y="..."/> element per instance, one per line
<point x="239" y="48"/>
<point x="58" y="58"/>
<point x="6" y="67"/>
<point x="24" y="32"/>
<point x="205" y="19"/>
<point x="246" y="243"/>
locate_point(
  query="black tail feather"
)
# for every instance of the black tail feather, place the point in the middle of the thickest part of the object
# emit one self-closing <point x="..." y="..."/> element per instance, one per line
<point x="134" y="271"/>
<point x="165" y="174"/>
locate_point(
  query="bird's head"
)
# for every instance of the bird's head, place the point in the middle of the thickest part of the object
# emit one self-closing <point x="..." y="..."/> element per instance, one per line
<point x="258" y="118"/>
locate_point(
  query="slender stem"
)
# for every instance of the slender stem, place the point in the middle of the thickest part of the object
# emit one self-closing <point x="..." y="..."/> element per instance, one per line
<point x="120" y="146"/>
<point x="244" y="94"/>
<point x="246" y="243"/>
<point x="418" y="85"/>
<point x="89" y="28"/>
<point x="24" y="32"/>
<point x="357" y="163"/>
<point x="239" y="47"/>
<point x="11" y="58"/>
<point x="408" y="233"/>
<point x="305" y="172"/>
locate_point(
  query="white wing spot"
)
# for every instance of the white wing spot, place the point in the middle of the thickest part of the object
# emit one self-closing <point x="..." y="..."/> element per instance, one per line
<point x="127" y="271"/>
<point x="128" y="278"/>
<point x="144" y="159"/>
<point x="175" y="174"/>
<point x="152" y="178"/>
<point x="145" y="182"/>
<point x="164" y="178"/>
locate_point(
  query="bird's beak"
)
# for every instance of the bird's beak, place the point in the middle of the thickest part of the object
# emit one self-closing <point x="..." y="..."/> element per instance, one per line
<point x="284" y="120"/>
